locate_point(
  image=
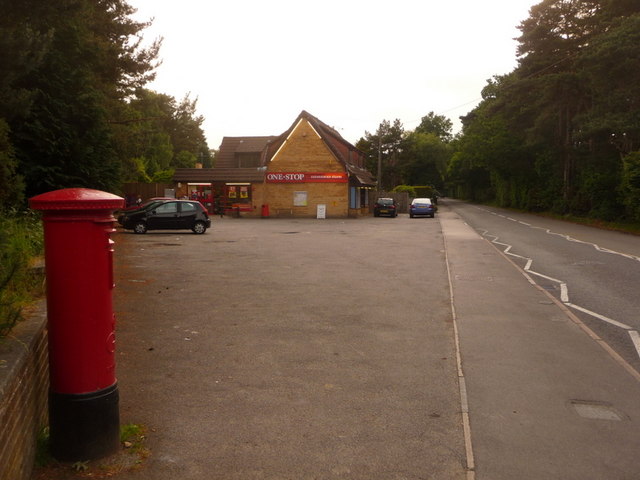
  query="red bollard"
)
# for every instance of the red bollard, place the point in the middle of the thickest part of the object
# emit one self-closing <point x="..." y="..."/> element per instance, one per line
<point x="84" y="419"/>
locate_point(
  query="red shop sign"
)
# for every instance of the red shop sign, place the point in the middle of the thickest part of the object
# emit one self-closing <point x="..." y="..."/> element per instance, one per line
<point x="305" y="177"/>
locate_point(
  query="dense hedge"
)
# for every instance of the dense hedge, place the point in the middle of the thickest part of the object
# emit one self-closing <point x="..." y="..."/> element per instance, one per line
<point x="21" y="245"/>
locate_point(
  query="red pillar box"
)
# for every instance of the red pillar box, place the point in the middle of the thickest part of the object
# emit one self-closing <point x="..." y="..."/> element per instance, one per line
<point x="84" y="418"/>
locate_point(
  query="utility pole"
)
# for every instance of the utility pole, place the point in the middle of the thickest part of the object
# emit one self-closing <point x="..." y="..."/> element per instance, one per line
<point x="379" y="161"/>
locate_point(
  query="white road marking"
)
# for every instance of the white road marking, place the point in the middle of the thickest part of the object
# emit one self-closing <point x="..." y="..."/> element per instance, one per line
<point x="564" y="290"/>
<point x="635" y="338"/>
<point x="566" y="237"/>
<point x="599" y="317"/>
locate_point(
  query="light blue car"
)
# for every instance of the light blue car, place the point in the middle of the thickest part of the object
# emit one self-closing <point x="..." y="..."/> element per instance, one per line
<point x="422" y="206"/>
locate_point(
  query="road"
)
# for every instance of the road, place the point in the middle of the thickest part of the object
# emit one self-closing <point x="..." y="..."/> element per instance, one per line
<point x="595" y="272"/>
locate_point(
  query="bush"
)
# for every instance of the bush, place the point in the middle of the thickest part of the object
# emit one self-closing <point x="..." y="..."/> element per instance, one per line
<point x="406" y="188"/>
<point x="21" y="242"/>
<point x="631" y="185"/>
<point x="425" y="191"/>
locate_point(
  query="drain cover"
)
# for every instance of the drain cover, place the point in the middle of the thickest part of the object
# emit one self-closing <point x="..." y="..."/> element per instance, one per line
<point x="596" y="410"/>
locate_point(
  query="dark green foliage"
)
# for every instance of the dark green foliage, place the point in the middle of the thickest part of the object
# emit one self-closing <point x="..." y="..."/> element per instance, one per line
<point x="73" y="114"/>
<point x="631" y="185"/>
<point x="20" y="243"/>
<point x="559" y="133"/>
<point x="64" y="139"/>
<point x="11" y="183"/>
<point x="158" y="134"/>
<point x="385" y="145"/>
<point x="437" y="125"/>
<point x="414" y="158"/>
<point x="411" y="191"/>
<point x="73" y="108"/>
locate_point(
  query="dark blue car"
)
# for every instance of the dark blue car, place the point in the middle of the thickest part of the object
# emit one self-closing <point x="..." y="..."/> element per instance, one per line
<point x="385" y="206"/>
<point x="422" y="206"/>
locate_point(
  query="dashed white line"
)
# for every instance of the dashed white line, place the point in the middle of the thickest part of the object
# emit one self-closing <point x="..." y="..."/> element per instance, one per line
<point x="635" y="338"/>
<point x="600" y="317"/>
<point x="564" y="290"/>
<point x="566" y="237"/>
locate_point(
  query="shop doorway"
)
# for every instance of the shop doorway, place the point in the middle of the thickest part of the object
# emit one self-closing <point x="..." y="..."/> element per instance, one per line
<point x="203" y="193"/>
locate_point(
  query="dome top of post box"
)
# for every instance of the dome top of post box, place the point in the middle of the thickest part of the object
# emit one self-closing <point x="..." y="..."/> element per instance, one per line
<point x="76" y="199"/>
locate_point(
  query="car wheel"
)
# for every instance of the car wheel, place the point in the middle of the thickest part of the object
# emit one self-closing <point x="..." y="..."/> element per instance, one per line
<point x="199" y="228"/>
<point x="140" y="227"/>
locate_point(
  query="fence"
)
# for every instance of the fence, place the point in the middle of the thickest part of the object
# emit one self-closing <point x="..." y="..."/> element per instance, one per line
<point x="145" y="190"/>
<point x="402" y="200"/>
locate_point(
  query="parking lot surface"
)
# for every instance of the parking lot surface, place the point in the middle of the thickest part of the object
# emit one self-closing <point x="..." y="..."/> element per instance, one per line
<point x="276" y="349"/>
<point x="322" y="349"/>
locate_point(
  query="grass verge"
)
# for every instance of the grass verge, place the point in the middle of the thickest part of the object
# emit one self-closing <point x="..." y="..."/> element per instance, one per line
<point x="131" y="456"/>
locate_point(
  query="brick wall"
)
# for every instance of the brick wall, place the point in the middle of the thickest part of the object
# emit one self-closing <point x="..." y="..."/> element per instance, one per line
<point x="305" y="151"/>
<point x="333" y="195"/>
<point x="24" y="386"/>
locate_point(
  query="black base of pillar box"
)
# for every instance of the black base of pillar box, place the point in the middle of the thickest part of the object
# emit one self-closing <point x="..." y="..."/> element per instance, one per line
<point x="84" y="426"/>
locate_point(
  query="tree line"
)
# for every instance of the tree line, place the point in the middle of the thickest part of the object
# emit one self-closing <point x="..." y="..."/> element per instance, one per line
<point x="74" y="110"/>
<point x="559" y="133"/>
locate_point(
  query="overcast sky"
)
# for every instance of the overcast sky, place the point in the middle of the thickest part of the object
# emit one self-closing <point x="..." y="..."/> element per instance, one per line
<point x="254" y="65"/>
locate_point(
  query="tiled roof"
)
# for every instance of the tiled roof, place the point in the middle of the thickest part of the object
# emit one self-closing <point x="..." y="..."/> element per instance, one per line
<point x="364" y="177"/>
<point x="350" y="157"/>
<point x="232" y="145"/>
<point x="226" y="170"/>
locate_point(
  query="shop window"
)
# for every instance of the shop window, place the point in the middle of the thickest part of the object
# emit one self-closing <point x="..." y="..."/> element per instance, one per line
<point x="238" y="194"/>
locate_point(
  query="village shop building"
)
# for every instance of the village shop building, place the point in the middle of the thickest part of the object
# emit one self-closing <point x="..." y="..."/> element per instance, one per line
<point x="309" y="170"/>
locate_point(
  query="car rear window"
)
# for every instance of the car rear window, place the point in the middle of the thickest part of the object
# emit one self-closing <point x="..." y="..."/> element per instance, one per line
<point x="189" y="207"/>
<point x="385" y="201"/>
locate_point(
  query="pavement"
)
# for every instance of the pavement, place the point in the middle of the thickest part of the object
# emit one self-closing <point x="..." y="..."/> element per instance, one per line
<point x="359" y="349"/>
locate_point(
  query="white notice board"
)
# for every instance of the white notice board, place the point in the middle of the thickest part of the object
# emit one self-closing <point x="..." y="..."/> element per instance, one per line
<point x="321" y="211"/>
